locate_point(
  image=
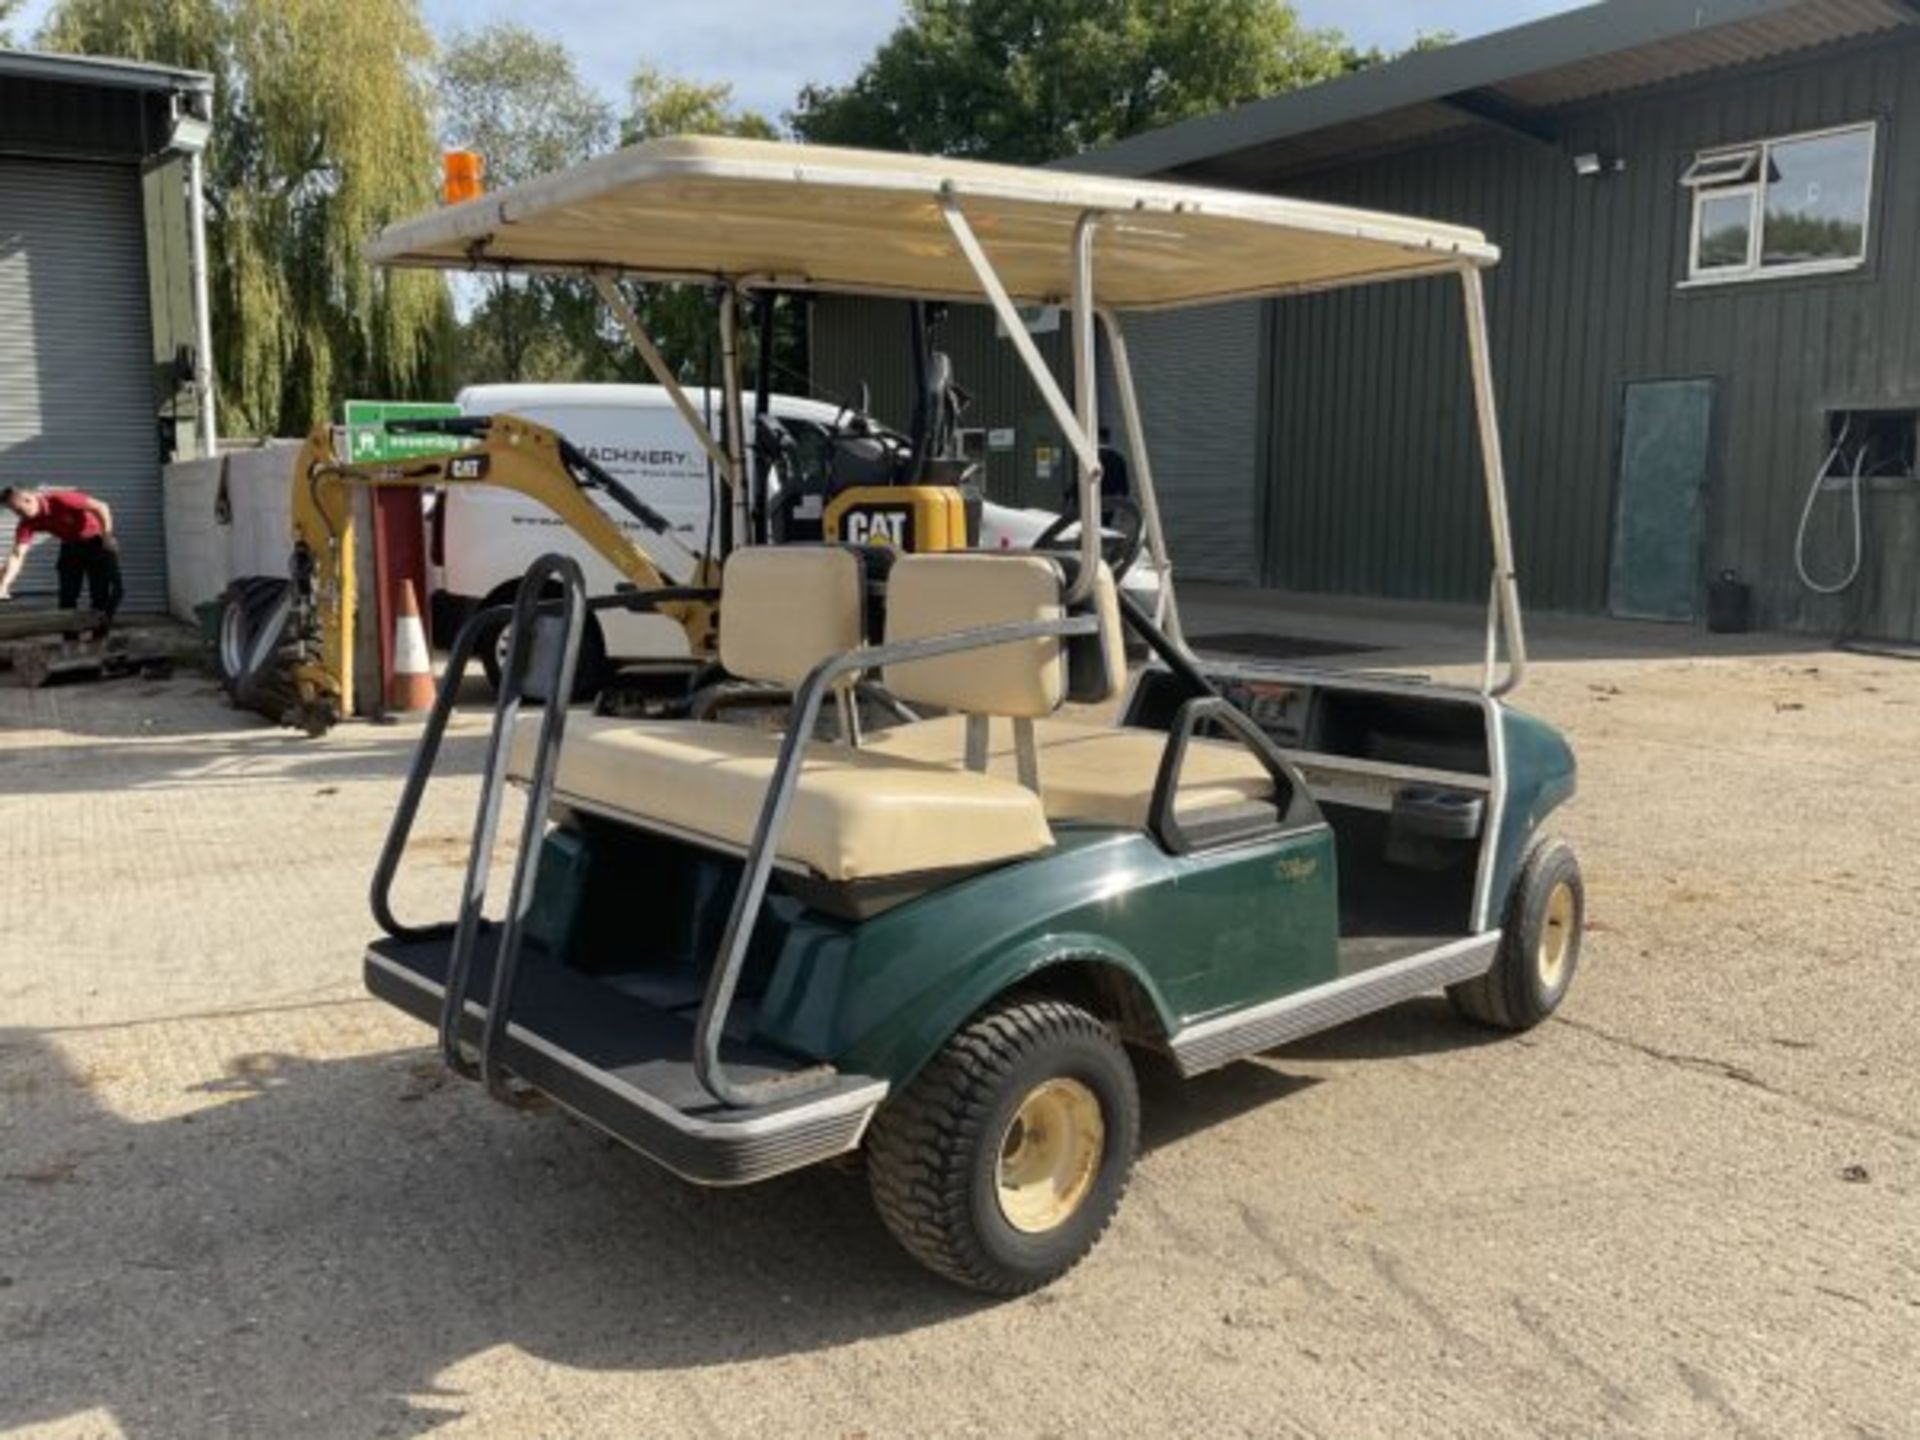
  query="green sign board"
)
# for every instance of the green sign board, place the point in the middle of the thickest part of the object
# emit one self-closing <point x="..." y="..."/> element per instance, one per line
<point x="369" y="440"/>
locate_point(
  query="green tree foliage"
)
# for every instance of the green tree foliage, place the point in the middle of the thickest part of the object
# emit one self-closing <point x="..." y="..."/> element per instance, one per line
<point x="1354" y="59"/>
<point x="1031" y="80"/>
<point x="517" y="99"/>
<point x="661" y="104"/>
<point x="681" y="317"/>
<point x="7" y="9"/>
<point x="322" y="135"/>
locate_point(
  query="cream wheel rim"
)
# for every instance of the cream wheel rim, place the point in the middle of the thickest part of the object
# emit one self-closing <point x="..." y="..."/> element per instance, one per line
<point x="1556" y="937"/>
<point x="1050" y="1155"/>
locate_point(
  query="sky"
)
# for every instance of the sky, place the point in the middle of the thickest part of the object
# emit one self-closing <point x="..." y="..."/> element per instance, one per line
<point x="769" y="48"/>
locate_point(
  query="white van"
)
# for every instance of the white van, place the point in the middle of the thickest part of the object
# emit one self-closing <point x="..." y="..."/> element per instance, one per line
<point x="483" y="539"/>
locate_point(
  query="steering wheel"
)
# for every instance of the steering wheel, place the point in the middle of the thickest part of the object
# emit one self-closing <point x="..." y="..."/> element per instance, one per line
<point x="1121" y="550"/>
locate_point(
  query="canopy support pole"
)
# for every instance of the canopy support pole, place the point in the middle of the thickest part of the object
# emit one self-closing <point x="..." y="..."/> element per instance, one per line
<point x="1166" y="609"/>
<point x="736" y="416"/>
<point x="1503" y="609"/>
<point x="1086" y="398"/>
<point x="1064" y="415"/>
<point x="656" y="364"/>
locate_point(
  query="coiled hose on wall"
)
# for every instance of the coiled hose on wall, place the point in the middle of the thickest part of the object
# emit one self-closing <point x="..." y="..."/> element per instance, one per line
<point x="1854" y="486"/>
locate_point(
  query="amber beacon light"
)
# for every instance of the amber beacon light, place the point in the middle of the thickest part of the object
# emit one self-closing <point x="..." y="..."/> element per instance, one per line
<point x="463" y="175"/>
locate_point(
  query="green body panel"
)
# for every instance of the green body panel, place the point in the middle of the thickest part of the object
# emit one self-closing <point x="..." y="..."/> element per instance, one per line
<point x="1541" y="776"/>
<point x="1200" y="934"/>
<point x="559" y="889"/>
<point x="1197" y="935"/>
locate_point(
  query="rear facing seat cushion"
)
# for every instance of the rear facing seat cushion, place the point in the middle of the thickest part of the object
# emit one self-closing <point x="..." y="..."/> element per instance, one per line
<point x="1093" y="774"/>
<point x="784" y="609"/>
<point x="933" y="595"/>
<point x="855" y="816"/>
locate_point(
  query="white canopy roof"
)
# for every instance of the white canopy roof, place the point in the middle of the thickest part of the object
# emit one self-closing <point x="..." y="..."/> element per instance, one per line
<point x="762" y="212"/>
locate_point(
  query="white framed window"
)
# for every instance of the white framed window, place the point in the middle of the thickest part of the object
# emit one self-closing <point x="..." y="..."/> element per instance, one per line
<point x="1792" y="205"/>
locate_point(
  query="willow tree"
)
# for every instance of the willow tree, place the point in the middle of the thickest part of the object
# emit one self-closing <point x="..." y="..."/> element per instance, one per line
<point x="322" y="135"/>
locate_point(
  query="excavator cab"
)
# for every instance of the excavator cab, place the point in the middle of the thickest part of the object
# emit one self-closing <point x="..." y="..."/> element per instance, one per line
<point x="914" y="493"/>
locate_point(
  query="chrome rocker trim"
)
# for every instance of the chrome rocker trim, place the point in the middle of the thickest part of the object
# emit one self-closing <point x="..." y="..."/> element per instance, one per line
<point x="1226" y="1038"/>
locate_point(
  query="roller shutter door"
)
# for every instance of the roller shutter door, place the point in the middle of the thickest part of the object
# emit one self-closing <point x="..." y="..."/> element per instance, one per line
<point x="1198" y="375"/>
<point x="76" y="390"/>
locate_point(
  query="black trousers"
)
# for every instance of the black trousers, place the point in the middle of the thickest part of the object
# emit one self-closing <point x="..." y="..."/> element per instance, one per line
<point x="92" y="561"/>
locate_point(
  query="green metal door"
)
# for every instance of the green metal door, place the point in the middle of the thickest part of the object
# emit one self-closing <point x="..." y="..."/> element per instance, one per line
<point x="1666" y="448"/>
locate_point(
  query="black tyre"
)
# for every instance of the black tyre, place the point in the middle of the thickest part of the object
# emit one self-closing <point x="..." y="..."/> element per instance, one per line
<point x="1540" y="948"/>
<point x="245" y="607"/>
<point x="489" y="644"/>
<point x="256" y="650"/>
<point x="588" y="676"/>
<point x="1002" y="1164"/>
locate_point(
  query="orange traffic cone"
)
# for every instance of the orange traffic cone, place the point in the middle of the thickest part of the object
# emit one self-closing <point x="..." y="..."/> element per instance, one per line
<point x="410" y="686"/>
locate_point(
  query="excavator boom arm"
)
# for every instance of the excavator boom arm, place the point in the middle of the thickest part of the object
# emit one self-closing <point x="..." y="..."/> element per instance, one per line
<point x="503" y="452"/>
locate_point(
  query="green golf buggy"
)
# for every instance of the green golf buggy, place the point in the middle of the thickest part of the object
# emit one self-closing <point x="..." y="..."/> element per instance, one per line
<point x="962" y="870"/>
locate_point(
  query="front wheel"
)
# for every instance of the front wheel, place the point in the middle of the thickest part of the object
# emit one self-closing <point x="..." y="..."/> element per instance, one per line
<point x="1003" y="1163"/>
<point x="1539" y="949"/>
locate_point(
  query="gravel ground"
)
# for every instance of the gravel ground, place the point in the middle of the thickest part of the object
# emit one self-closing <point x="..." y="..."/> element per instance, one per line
<point x="237" y="1197"/>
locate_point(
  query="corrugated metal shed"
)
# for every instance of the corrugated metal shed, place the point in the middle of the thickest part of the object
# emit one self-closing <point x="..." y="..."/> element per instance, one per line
<point x="1502" y="78"/>
<point x="1767" y="36"/>
<point x="1366" y="476"/>
<point x="95" y="301"/>
<point x="860" y="341"/>
<point x="1370" y="473"/>
<point x="76" y="401"/>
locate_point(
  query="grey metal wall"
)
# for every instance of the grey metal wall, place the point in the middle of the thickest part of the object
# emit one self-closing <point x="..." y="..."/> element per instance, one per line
<point x="1198" y="375"/>
<point x="1371" y="479"/>
<point x="76" y="356"/>
<point x="1366" y="451"/>
<point x="78" y="121"/>
<point x="855" y="341"/>
<point x="170" y="290"/>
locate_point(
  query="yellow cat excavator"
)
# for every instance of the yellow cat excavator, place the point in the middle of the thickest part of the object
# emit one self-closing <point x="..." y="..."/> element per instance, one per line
<point x="286" y="646"/>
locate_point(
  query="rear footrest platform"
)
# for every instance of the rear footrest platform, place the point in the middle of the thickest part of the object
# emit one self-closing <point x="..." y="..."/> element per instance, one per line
<point x="627" y="1067"/>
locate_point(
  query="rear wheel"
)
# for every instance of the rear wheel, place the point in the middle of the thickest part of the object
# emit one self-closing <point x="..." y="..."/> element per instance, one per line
<point x="1539" y="949"/>
<point x="491" y="646"/>
<point x="1003" y="1163"/>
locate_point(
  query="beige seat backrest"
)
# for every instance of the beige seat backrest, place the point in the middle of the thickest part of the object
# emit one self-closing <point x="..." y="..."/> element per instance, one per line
<point x="785" y="608"/>
<point x="930" y="595"/>
<point x="1097" y="664"/>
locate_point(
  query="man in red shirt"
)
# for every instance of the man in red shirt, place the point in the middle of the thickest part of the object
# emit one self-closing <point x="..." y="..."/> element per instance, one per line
<point x="88" y="549"/>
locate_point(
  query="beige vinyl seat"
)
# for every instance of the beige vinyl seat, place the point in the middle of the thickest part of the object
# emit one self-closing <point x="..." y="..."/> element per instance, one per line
<point x="856" y="815"/>
<point x="1093" y="774"/>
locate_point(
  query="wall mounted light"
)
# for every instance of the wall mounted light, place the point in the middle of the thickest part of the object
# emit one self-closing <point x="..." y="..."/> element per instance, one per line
<point x="1591" y="164"/>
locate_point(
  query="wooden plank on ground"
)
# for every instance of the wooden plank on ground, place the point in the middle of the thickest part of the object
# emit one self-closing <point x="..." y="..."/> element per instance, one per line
<point x="23" y="624"/>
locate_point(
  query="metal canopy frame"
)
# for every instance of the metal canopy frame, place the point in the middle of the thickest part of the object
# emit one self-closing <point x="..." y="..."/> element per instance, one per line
<point x="1079" y="423"/>
<point x="1079" y="419"/>
<point x="755" y="216"/>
